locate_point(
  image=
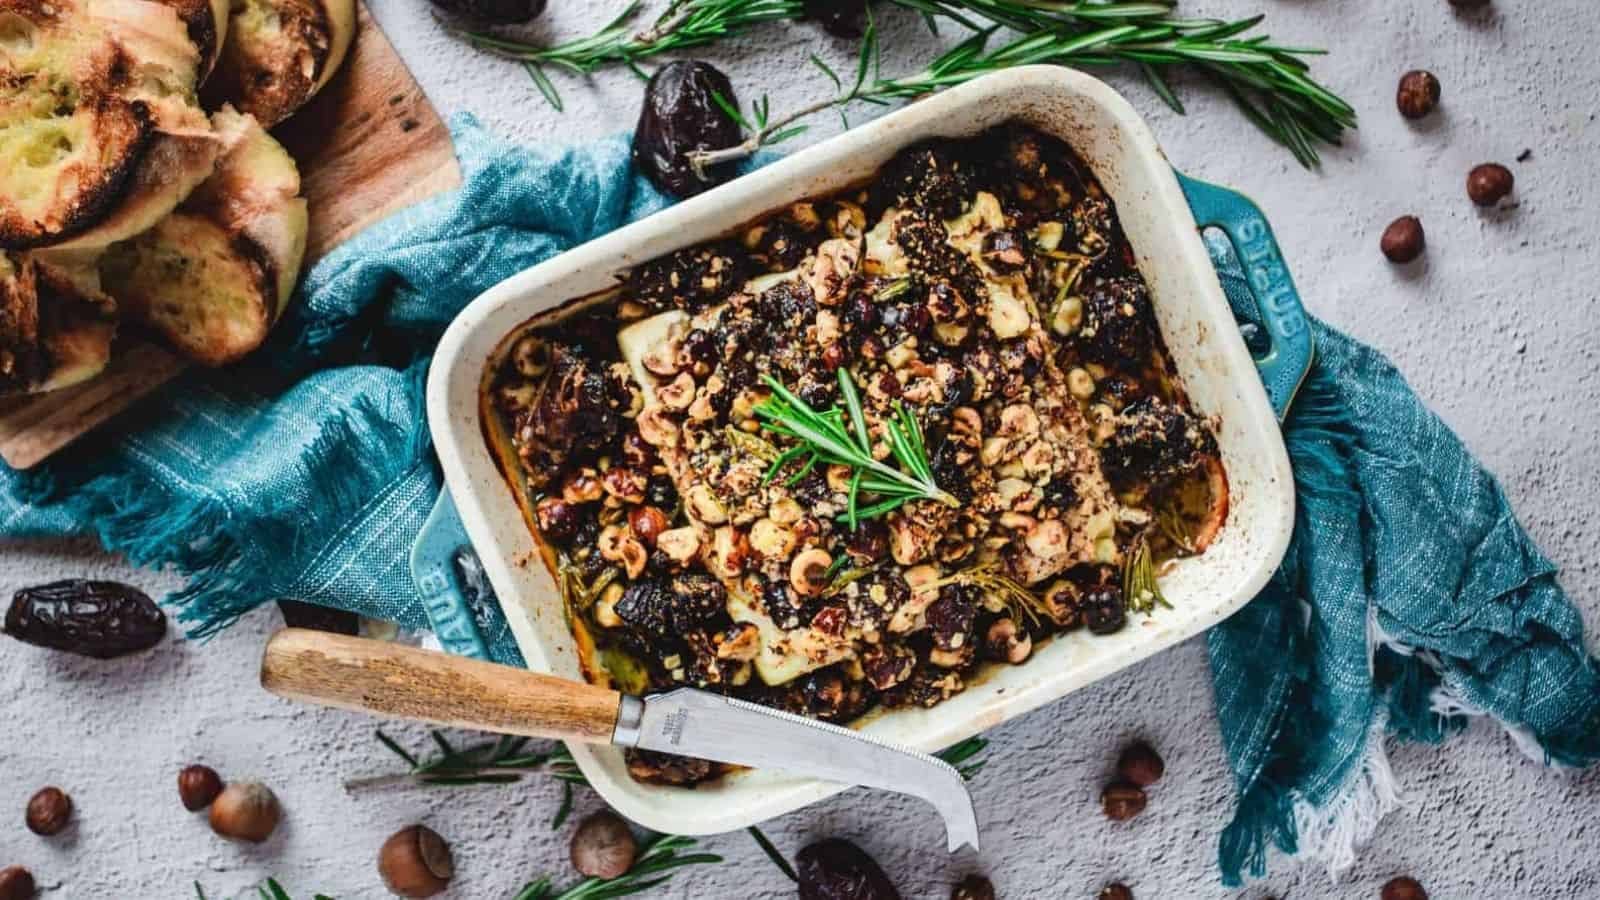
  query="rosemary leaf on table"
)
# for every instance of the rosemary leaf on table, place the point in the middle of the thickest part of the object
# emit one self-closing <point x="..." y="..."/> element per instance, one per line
<point x="684" y="25"/>
<point x="501" y="761"/>
<point x="1271" y="83"/>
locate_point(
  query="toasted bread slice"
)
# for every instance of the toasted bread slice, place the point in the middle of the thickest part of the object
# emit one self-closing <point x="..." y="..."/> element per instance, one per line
<point x="279" y="53"/>
<point x="97" y="109"/>
<point x="55" y="325"/>
<point x="207" y="22"/>
<point x="214" y="276"/>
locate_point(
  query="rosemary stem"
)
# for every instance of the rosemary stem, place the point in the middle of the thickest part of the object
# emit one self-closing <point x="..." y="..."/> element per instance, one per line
<point x="369" y="782"/>
<point x="705" y="159"/>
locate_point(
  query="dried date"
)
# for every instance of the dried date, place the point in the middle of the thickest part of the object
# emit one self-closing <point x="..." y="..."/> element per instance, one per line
<point x="835" y="869"/>
<point x="99" y="619"/>
<point x="681" y="116"/>
<point x="494" y="12"/>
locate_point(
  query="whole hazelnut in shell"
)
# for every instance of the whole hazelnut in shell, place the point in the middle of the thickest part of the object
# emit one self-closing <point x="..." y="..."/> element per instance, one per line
<point x="416" y="862"/>
<point x="246" y="811"/>
<point x="49" y="810"/>
<point x="603" y="846"/>
<point x="198" y="786"/>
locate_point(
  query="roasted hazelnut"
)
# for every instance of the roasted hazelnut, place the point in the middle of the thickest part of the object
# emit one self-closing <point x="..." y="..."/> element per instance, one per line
<point x="48" y="811"/>
<point x="1418" y="94"/>
<point x="1403" y="241"/>
<point x="1122" y="801"/>
<point x="557" y="519"/>
<point x="1469" y="4"/>
<point x="1403" y="887"/>
<point x="581" y="487"/>
<point x="1116" y="890"/>
<point x="833" y="356"/>
<point x="1006" y="641"/>
<point x="679" y="544"/>
<point x="1064" y="604"/>
<point x="246" y="811"/>
<point x="603" y="846"/>
<point x="198" y="786"/>
<point x="973" y="887"/>
<point x="415" y="862"/>
<point x="647" y="523"/>
<point x="16" y="883"/>
<point x="617" y="545"/>
<point x="1141" y="765"/>
<point x="1489" y="183"/>
<point x="808" y="572"/>
<point x="625" y="484"/>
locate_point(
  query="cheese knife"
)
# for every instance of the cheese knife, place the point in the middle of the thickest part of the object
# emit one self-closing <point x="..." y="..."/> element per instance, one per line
<point x="406" y="682"/>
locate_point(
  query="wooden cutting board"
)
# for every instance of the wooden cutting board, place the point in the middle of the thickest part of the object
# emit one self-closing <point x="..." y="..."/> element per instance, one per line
<point x="368" y="145"/>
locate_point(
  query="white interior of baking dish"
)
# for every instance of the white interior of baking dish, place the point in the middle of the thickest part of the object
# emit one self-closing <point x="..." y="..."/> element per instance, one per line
<point x="1194" y="318"/>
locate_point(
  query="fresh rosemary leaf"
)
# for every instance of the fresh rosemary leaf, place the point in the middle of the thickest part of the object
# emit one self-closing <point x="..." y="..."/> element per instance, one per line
<point x="396" y="748"/>
<point x="777" y="858"/>
<point x="656" y="863"/>
<point x="501" y="761"/>
<point x="565" y="809"/>
<point x="823" y="438"/>
<point x="1140" y="591"/>
<point x="961" y="756"/>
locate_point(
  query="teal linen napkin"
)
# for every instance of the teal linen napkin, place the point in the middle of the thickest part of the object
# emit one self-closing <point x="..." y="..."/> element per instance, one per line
<point x="1410" y="598"/>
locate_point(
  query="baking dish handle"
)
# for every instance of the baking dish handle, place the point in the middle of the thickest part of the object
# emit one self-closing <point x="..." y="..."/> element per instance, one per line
<point x="451" y="583"/>
<point x="1258" y="287"/>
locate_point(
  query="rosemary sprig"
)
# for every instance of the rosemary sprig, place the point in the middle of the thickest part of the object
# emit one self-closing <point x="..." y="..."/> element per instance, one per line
<point x="823" y="437"/>
<point x="657" y="860"/>
<point x="1270" y="83"/>
<point x="504" y="760"/>
<point x="1139" y="588"/>
<point x="991" y="578"/>
<point x="684" y="25"/>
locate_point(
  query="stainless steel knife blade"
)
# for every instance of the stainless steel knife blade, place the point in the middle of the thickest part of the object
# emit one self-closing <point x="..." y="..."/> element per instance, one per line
<point x="687" y="722"/>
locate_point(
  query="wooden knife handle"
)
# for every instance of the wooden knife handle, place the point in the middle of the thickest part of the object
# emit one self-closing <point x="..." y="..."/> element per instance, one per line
<point x="404" y="682"/>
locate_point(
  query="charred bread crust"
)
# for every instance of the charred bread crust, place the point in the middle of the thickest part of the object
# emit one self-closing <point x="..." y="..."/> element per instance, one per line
<point x="207" y="23"/>
<point x="86" y="92"/>
<point x="279" y="53"/>
<point x="20" y="360"/>
<point x="212" y="278"/>
<point x="55" y="325"/>
<point x="123" y="133"/>
<point x="171" y="167"/>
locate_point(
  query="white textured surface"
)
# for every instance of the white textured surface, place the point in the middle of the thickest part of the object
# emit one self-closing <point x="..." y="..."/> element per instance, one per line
<point x="1497" y="329"/>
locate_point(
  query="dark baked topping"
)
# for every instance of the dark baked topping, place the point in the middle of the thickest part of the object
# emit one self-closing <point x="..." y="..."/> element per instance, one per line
<point x="980" y="290"/>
